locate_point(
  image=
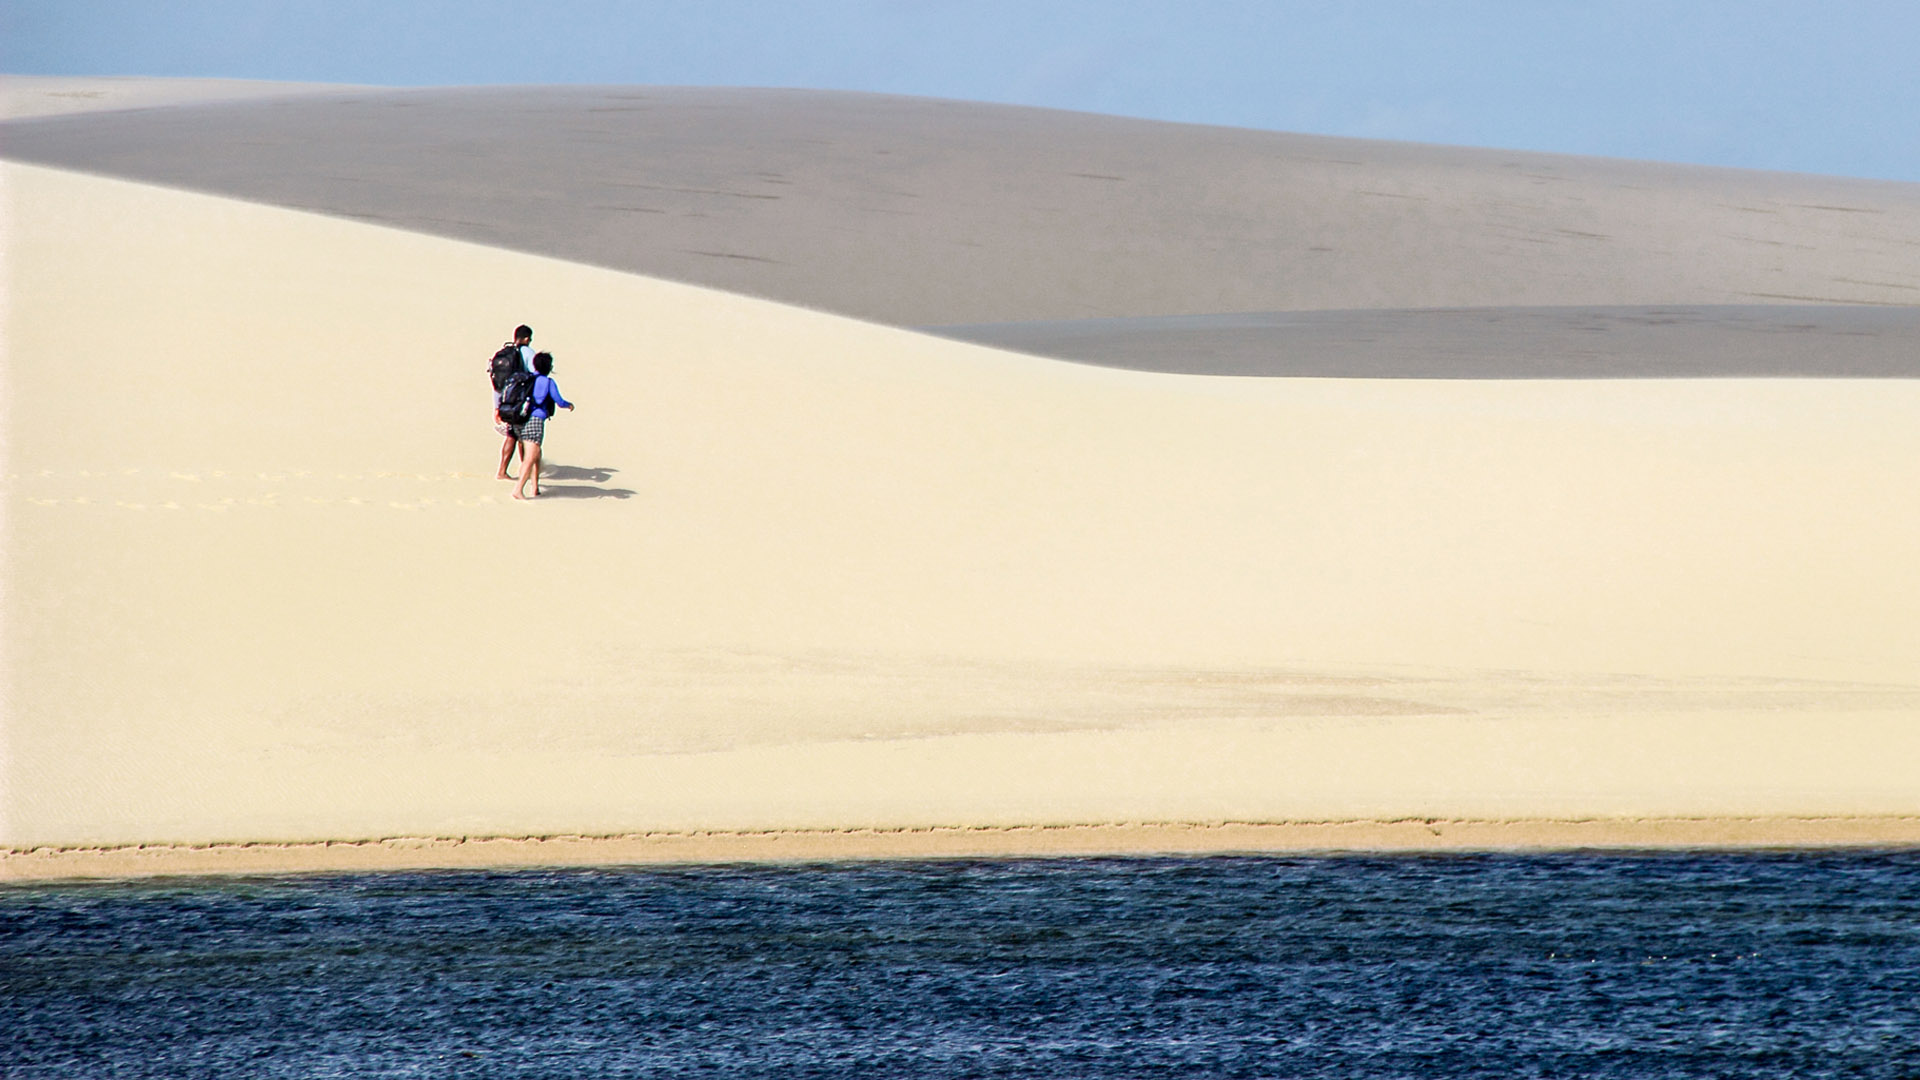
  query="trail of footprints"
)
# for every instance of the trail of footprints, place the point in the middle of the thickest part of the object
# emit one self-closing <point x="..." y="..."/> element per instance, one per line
<point x="188" y="499"/>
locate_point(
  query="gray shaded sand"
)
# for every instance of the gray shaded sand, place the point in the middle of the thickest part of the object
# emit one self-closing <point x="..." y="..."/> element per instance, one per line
<point x="1119" y="241"/>
<point x="1756" y="341"/>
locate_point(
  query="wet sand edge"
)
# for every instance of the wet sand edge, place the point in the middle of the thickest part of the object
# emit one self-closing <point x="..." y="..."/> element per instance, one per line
<point x="1080" y="840"/>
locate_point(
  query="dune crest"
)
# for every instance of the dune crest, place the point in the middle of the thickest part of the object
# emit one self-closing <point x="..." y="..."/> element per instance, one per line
<point x="26" y="97"/>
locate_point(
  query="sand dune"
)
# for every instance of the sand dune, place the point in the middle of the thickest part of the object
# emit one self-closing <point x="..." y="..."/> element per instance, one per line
<point x="24" y="97"/>
<point x="915" y="212"/>
<point x="1594" y="342"/>
<point x="1584" y="514"/>
<point x="806" y="572"/>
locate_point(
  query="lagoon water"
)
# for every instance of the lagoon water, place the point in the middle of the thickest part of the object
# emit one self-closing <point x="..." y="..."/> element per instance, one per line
<point x="1658" y="965"/>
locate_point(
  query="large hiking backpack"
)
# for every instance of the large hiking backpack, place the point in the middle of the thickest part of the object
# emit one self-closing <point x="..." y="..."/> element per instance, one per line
<point x="516" y="399"/>
<point x="504" y="364"/>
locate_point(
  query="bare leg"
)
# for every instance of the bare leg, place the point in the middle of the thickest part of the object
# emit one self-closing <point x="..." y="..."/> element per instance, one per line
<point x="506" y="456"/>
<point x="529" y="469"/>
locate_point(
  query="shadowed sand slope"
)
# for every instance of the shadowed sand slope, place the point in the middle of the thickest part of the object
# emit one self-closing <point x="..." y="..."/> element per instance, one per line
<point x="1754" y="341"/>
<point x="802" y="571"/>
<point x="916" y="212"/>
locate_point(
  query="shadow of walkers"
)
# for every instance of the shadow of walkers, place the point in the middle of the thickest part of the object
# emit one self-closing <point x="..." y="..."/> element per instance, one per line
<point x="577" y="472"/>
<point x="554" y="483"/>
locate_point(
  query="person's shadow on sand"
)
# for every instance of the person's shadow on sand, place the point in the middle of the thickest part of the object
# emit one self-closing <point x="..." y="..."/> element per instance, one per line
<point x="593" y="477"/>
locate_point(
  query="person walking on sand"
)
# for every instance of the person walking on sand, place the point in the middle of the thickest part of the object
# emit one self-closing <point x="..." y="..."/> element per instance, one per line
<point x="518" y="351"/>
<point x="546" y="399"/>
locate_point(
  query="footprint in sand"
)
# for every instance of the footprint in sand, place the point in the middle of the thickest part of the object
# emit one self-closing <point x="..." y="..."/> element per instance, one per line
<point x="183" y="476"/>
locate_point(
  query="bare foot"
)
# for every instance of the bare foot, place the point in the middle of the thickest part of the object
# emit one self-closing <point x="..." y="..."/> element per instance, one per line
<point x="503" y="476"/>
<point x="522" y="496"/>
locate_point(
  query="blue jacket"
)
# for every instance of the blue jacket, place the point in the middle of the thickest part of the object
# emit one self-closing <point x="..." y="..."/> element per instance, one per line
<point x="546" y="397"/>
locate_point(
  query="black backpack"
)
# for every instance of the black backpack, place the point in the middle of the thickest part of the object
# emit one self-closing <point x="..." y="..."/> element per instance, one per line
<point x="516" y="398"/>
<point x="505" y="363"/>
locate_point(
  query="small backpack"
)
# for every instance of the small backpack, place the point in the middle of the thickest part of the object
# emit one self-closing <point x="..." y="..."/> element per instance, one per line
<point x="516" y="399"/>
<point x="504" y="364"/>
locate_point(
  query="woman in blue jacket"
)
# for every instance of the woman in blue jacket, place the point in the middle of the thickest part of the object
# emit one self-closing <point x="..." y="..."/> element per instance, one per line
<point x="546" y="398"/>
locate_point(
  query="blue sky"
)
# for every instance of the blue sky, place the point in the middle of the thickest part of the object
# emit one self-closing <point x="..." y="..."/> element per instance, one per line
<point x="1829" y="87"/>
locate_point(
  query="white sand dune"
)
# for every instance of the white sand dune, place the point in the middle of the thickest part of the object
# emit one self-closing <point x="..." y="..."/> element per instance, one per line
<point x="25" y="97"/>
<point x="803" y="571"/>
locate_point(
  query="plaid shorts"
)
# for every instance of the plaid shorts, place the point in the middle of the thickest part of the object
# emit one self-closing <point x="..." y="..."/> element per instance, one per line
<point x="533" y="430"/>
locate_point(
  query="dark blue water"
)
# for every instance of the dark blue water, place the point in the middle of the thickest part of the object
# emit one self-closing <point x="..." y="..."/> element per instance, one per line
<point x="1457" y="966"/>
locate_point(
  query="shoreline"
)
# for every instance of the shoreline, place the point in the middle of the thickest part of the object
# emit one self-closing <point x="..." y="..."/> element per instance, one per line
<point x="1402" y="836"/>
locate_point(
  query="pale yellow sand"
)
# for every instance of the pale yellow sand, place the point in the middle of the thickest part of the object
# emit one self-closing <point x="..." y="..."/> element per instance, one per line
<point x="807" y="573"/>
<point x="26" y="96"/>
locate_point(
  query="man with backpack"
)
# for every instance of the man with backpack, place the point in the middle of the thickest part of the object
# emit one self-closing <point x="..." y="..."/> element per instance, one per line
<point x="513" y="358"/>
